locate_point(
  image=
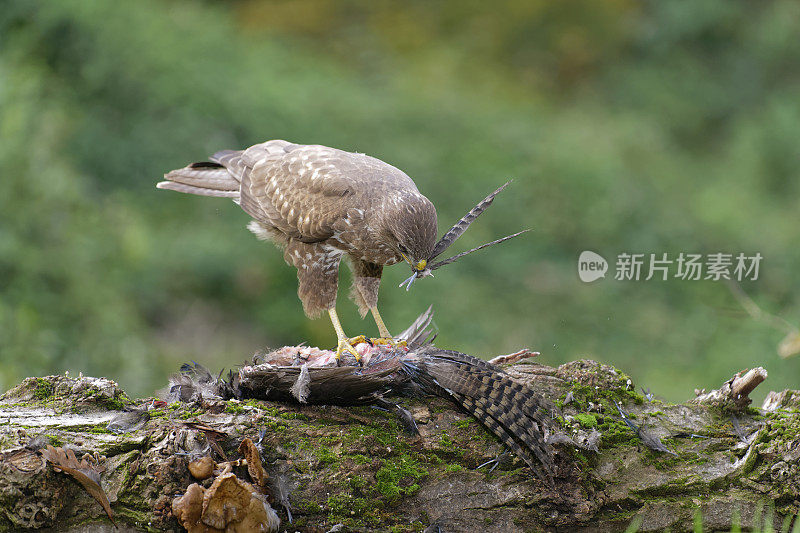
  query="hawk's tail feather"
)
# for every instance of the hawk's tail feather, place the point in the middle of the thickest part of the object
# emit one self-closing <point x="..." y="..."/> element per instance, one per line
<point x="225" y="157"/>
<point x="203" y="178"/>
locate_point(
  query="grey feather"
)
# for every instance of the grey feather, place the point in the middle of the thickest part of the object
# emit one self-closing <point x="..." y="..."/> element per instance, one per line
<point x="419" y="334"/>
<point x="461" y="226"/>
<point x="456" y="257"/>
<point x="302" y="387"/>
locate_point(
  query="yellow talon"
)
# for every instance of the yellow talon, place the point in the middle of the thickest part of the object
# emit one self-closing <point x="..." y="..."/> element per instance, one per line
<point x="385" y="338"/>
<point x="344" y="345"/>
<point x="357" y="340"/>
<point x="388" y="341"/>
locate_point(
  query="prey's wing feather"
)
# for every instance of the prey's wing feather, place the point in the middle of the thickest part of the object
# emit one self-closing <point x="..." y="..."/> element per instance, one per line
<point x="461" y="226"/>
<point x="449" y="260"/>
<point x="419" y="335"/>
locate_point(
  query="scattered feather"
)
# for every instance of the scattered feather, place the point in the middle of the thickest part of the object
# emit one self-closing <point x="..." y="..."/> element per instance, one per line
<point x="456" y="257"/>
<point x="651" y="440"/>
<point x="302" y="387"/>
<point x="128" y="421"/>
<point x="461" y="226"/>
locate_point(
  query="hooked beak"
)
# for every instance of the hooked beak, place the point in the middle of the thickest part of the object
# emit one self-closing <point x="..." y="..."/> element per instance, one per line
<point x="419" y="270"/>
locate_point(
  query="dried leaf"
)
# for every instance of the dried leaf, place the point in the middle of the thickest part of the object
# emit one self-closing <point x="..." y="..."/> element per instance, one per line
<point x="86" y="472"/>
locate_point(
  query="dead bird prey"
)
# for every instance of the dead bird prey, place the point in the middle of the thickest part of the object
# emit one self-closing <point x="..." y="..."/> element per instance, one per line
<point x="319" y="204"/>
<point x="516" y="413"/>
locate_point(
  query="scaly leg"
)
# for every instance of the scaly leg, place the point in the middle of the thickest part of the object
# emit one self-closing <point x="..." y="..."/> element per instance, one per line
<point x="343" y="342"/>
<point x="383" y="331"/>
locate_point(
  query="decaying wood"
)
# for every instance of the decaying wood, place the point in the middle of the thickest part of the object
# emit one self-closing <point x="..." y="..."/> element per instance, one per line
<point x="734" y="393"/>
<point x="357" y="466"/>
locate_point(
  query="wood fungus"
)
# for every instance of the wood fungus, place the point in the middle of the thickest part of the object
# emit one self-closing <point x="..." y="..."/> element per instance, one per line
<point x="229" y="505"/>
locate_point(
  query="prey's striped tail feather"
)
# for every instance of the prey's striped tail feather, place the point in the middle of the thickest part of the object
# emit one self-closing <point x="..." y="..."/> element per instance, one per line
<point x="514" y="412"/>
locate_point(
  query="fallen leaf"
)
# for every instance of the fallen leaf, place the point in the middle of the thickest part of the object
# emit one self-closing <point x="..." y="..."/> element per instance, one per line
<point x="86" y="472"/>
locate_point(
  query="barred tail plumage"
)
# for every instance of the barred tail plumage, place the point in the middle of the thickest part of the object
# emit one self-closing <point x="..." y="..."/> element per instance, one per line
<point x="512" y="411"/>
<point x="461" y="226"/>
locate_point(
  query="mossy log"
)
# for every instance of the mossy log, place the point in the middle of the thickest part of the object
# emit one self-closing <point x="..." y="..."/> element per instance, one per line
<point x="358" y="469"/>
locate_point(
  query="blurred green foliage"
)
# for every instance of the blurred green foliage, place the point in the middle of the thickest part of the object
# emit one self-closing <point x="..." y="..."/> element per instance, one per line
<point x="652" y="126"/>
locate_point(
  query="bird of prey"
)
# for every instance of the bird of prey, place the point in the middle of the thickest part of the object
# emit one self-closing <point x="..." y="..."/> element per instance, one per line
<point x="519" y="415"/>
<point x="320" y="204"/>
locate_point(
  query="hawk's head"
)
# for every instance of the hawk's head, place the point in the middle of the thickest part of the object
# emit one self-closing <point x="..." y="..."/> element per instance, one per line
<point x="419" y="252"/>
<point x="410" y="227"/>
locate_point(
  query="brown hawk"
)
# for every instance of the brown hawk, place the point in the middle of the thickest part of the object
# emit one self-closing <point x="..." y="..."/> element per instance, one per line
<point x="320" y="204"/>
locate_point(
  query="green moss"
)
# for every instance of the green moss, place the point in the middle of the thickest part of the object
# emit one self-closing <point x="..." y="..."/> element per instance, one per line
<point x="273" y="426"/>
<point x="357" y="483"/>
<point x="44" y="389"/>
<point x="396" y="475"/>
<point x="234" y="407"/>
<point x="360" y="459"/>
<point x="141" y="519"/>
<point x="254" y="404"/>
<point x="462" y="424"/>
<point x="586" y="420"/>
<point x="267" y="409"/>
<point x="114" y="404"/>
<point x="615" y="432"/>
<point x="349" y="507"/>
<point x="407" y="528"/>
<point x="190" y="414"/>
<point x="310" y="507"/>
<point x="453" y="468"/>
<point x="607" y="395"/>
<point x="54" y="440"/>
<point x="370" y="436"/>
<point x="325" y="455"/>
<point x="293" y="415"/>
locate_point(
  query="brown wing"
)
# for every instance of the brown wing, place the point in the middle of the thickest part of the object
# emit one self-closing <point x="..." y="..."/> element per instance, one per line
<point x="305" y="190"/>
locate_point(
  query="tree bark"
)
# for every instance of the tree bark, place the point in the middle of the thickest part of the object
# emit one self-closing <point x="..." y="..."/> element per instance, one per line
<point x="358" y="466"/>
